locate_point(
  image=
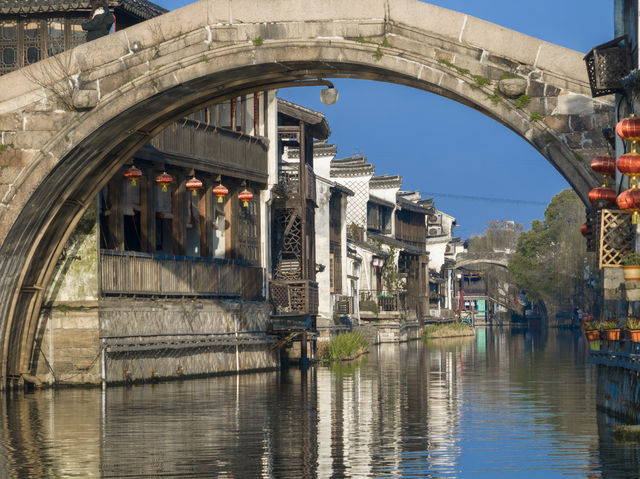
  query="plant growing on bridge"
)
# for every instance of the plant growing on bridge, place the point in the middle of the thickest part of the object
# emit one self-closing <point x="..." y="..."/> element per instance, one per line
<point x="258" y="41"/>
<point x="55" y="77"/>
<point x="523" y="100"/>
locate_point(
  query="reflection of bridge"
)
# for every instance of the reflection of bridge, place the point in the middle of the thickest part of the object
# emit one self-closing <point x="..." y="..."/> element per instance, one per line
<point x="68" y="123"/>
<point x="499" y="259"/>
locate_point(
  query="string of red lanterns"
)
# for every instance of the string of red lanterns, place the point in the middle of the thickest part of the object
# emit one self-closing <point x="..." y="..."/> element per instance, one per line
<point x="629" y="164"/>
<point x="194" y="184"/>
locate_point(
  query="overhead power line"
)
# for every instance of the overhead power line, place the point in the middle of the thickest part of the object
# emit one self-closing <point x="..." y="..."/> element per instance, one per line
<point x="484" y="198"/>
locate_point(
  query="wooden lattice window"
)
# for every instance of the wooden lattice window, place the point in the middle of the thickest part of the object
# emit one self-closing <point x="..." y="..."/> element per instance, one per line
<point x="32" y="43"/>
<point x="8" y="46"/>
<point x="249" y="233"/>
<point x="615" y="235"/>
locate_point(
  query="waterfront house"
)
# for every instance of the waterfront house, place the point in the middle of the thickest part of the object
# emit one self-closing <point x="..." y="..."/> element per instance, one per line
<point x="164" y="276"/>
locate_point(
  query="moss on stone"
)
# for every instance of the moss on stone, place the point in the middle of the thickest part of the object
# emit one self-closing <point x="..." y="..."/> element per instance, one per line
<point x="523" y="100"/>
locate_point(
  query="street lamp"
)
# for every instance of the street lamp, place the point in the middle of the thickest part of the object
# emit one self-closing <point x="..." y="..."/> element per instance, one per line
<point x="329" y="95"/>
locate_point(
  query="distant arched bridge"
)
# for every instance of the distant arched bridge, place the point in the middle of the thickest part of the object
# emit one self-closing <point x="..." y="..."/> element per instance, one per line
<point x="68" y="123"/>
<point x="468" y="259"/>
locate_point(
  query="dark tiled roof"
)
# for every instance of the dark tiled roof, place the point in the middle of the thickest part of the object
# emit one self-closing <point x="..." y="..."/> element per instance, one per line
<point x="386" y="181"/>
<point x="405" y="204"/>
<point x="353" y="166"/>
<point x="140" y="8"/>
<point x="320" y="148"/>
<point x="320" y="127"/>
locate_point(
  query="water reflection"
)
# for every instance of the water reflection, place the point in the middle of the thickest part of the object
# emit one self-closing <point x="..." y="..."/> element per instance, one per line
<point x="489" y="405"/>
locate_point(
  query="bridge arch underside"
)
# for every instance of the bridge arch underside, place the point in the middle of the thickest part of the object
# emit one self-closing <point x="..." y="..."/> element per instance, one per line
<point x="69" y="171"/>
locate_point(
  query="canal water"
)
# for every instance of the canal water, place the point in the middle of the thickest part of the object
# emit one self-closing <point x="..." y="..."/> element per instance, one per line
<point x="506" y="403"/>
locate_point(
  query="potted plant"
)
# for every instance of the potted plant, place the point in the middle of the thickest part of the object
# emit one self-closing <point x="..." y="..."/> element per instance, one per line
<point x="591" y="330"/>
<point x="633" y="328"/>
<point x="631" y="267"/>
<point x="610" y="330"/>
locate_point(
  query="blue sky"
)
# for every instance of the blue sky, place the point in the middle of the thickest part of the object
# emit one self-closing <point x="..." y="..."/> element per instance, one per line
<point x="410" y="132"/>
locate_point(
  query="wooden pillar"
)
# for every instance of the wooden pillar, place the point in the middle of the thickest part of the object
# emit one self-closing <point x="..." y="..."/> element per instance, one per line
<point x="147" y="212"/>
<point x="177" y="210"/>
<point x="206" y="215"/>
<point x="231" y="227"/>
<point x="115" y="221"/>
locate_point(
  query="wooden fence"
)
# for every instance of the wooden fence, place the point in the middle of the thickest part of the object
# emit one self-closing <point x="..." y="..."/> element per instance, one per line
<point x="128" y="274"/>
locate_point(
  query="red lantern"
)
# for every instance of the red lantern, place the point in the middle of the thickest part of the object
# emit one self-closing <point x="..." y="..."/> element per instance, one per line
<point x="629" y="128"/>
<point x="164" y="179"/>
<point x="584" y="229"/>
<point x="220" y="192"/>
<point x="606" y="166"/>
<point x="132" y="174"/>
<point x="245" y="196"/>
<point x="629" y="200"/>
<point x="629" y="164"/>
<point x="602" y="197"/>
<point x="194" y="184"/>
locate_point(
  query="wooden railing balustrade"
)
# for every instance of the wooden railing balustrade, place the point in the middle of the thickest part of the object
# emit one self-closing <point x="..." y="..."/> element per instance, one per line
<point x="130" y="273"/>
<point x="229" y="151"/>
<point x="294" y="297"/>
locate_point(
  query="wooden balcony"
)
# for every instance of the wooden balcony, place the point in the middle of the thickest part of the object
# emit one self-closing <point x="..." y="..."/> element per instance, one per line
<point x="207" y="148"/>
<point x="289" y="181"/>
<point x="294" y="297"/>
<point x="124" y="273"/>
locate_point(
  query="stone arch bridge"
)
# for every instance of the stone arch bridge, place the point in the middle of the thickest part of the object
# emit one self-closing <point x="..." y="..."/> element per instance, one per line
<point x="69" y="122"/>
<point x="468" y="259"/>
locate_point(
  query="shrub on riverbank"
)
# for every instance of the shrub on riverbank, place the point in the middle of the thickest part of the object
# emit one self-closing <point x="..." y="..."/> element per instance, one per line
<point x="449" y="330"/>
<point x="343" y="347"/>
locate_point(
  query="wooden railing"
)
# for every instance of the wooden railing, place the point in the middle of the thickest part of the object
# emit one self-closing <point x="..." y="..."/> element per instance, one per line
<point x="294" y="297"/>
<point x="289" y="180"/>
<point x="229" y="151"/>
<point x="130" y="274"/>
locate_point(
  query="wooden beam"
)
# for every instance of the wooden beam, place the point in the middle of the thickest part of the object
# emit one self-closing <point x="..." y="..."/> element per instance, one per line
<point x="177" y="209"/>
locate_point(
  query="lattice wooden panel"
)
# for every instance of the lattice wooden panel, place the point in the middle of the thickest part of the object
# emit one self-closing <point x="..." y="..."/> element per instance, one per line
<point x="288" y="297"/>
<point x="288" y="250"/>
<point x="615" y="237"/>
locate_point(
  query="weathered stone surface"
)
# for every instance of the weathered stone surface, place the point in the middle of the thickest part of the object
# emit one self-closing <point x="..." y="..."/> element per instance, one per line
<point x="45" y="121"/>
<point x="535" y="88"/>
<point x="558" y="123"/>
<point x="13" y="157"/>
<point x="32" y="139"/>
<point x="512" y="87"/>
<point x="574" y="104"/>
<point x="84" y="99"/>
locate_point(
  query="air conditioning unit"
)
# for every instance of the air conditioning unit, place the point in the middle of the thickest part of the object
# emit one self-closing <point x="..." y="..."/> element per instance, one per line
<point x="434" y="219"/>
<point x="435" y="230"/>
<point x="450" y="249"/>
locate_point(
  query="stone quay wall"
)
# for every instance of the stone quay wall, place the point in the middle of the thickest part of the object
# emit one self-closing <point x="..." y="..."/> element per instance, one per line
<point x="123" y="340"/>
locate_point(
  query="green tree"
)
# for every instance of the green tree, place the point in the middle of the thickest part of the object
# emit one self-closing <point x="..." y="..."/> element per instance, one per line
<point x="499" y="235"/>
<point x="550" y="260"/>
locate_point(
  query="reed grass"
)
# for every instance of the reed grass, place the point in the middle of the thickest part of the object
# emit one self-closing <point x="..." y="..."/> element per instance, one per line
<point x="343" y="347"/>
<point x="449" y="330"/>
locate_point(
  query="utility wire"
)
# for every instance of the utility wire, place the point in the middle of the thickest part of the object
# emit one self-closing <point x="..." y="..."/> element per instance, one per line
<point x="484" y="198"/>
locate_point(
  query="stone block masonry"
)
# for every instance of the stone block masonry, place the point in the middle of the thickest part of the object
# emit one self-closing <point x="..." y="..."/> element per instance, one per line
<point x="152" y="339"/>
